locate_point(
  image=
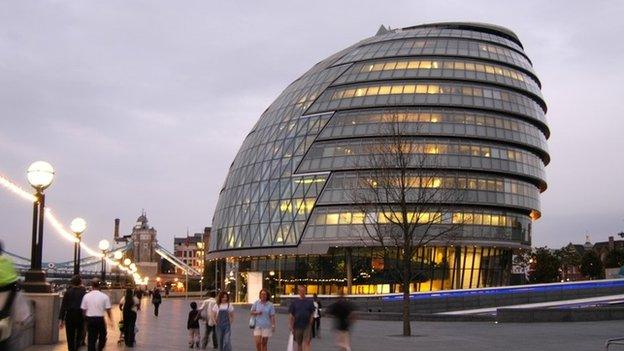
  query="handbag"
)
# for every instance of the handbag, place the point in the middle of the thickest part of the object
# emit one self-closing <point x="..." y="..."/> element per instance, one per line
<point x="252" y="319"/>
<point x="291" y="343"/>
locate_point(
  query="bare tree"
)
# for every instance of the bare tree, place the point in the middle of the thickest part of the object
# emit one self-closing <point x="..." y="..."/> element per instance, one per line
<point x="406" y="198"/>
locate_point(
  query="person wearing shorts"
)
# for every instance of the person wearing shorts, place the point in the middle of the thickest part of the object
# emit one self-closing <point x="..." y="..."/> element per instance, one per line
<point x="301" y="316"/>
<point x="263" y="312"/>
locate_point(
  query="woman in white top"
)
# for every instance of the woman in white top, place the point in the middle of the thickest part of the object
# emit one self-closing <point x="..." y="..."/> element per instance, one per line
<point x="224" y="317"/>
<point x="129" y="305"/>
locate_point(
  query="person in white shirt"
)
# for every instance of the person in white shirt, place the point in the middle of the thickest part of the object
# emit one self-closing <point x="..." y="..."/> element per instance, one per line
<point x="205" y="312"/>
<point x="95" y="304"/>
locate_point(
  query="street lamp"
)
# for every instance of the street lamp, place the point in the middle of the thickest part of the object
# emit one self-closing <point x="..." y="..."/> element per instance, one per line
<point x="77" y="226"/>
<point x="127" y="262"/>
<point x="103" y="245"/>
<point x="40" y="175"/>
<point x="118" y="255"/>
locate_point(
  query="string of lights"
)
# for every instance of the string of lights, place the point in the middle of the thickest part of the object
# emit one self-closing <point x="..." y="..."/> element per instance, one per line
<point x="6" y="183"/>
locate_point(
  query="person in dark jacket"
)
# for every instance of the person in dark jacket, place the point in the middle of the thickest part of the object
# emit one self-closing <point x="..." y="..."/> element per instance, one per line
<point x="192" y="324"/>
<point x="156" y="300"/>
<point x="343" y="312"/>
<point x="71" y="317"/>
<point x="129" y="305"/>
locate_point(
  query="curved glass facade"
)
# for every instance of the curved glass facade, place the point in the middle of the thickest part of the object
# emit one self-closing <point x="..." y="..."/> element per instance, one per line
<point x="465" y="94"/>
<point x="462" y="69"/>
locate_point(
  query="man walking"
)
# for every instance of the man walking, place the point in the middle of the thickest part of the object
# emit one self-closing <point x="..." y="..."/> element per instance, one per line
<point x="301" y="316"/>
<point x="71" y="315"/>
<point x="205" y="311"/>
<point x="94" y="305"/>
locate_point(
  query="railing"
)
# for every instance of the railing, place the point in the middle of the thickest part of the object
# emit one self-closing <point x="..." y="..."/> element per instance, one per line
<point x="616" y="341"/>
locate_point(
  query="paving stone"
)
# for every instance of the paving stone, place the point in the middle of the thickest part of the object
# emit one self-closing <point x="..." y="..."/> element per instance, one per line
<point x="168" y="332"/>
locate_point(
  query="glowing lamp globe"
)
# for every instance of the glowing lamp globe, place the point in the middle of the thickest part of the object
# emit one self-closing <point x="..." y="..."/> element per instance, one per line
<point x="78" y="225"/>
<point x="118" y="255"/>
<point x="104" y="245"/>
<point x="127" y="262"/>
<point x="40" y="175"/>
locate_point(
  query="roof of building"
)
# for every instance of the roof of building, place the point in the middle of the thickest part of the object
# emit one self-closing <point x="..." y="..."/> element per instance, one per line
<point x="478" y="26"/>
<point x="195" y="238"/>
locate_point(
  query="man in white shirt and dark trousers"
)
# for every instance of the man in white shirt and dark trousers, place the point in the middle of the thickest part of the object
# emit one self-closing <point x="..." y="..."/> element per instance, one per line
<point x="94" y="305"/>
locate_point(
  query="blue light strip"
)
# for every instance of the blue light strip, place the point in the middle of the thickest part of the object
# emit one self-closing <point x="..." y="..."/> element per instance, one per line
<point x="615" y="283"/>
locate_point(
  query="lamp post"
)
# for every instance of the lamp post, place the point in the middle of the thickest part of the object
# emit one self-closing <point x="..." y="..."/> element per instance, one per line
<point x="40" y="175"/>
<point x="77" y="226"/>
<point x="104" y="245"/>
<point x="117" y="256"/>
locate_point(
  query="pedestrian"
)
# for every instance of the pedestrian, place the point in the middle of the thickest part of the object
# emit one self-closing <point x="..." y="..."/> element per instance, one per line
<point x="343" y="312"/>
<point x="95" y="304"/>
<point x="208" y="318"/>
<point x="301" y="316"/>
<point x="156" y="301"/>
<point x="263" y="315"/>
<point x="129" y="305"/>
<point x="70" y="316"/>
<point x="139" y="294"/>
<point x="192" y="324"/>
<point x="224" y="317"/>
<point x="8" y="294"/>
<point x="316" y="324"/>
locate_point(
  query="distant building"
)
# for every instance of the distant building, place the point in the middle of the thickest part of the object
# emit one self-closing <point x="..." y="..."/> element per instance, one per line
<point x="190" y="250"/>
<point x="144" y="244"/>
<point x="601" y="248"/>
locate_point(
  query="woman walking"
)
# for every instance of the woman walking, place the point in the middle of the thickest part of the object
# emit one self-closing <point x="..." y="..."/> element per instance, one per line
<point x="129" y="305"/>
<point x="316" y="323"/>
<point x="263" y="313"/>
<point x="224" y="313"/>
<point x="156" y="301"/>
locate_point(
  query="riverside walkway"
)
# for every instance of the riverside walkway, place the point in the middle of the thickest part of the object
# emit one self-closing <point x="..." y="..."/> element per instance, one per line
<point x="168" y="332"/>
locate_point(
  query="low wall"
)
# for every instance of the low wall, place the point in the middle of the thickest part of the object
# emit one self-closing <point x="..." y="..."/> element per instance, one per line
<point x="392" y="316"/>
<point x="46" y="307"/>
<point x="456" y="300"/>
<point x="23" y="333"/>
<point x="533" y="315"/>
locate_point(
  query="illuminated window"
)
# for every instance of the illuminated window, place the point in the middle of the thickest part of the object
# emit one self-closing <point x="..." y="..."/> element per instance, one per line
<point x="332" y="218"/>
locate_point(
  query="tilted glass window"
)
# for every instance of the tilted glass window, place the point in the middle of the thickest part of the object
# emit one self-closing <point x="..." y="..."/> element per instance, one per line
<point x="439" y="47"/>
<point x="408" y="68"/>
<point x="395" y="93"/>
<point x="435" y="153"/>
<point x="408" y="33"/>
<point x="428" y="121"/>
<point x="470" y="188"/>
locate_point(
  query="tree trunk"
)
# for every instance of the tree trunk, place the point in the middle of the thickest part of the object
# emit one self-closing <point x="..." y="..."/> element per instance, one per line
<point x="407" y="327"/>
<point x="348" y="260"/>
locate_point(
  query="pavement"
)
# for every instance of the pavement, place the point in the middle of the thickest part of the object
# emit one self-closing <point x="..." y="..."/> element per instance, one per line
<point x="168" y="332"/>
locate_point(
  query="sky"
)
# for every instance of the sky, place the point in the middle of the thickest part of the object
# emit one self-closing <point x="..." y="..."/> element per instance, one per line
<point x="142" y="105"/>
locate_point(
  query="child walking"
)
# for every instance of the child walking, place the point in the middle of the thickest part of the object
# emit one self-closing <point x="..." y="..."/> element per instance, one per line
<point x="192" y="324"/>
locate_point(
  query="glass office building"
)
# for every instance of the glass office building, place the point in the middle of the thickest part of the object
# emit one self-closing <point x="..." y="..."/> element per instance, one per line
<point x="466" y="90"/>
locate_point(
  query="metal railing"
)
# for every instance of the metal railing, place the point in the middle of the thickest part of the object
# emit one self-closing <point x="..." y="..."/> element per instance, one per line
<point x="616" y="341"/>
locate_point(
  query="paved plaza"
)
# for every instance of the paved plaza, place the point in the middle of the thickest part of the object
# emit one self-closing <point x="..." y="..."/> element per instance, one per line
<point x="168" y="332"/>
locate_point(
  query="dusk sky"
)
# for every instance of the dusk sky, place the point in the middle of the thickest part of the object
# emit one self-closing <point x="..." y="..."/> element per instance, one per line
<point x="144" y="104"/>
